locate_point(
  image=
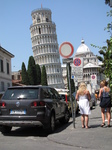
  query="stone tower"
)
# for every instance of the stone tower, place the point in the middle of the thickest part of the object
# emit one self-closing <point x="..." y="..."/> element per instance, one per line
<point x="45" y="46"/>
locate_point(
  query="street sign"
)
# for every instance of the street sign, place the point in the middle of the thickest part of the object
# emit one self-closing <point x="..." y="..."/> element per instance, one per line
<point x="77" y="68"/>
<point x="77" y="62"/>
<point x="93" y="79"/>
<point x="72" y="76"/>
<point x="66" y="49"/>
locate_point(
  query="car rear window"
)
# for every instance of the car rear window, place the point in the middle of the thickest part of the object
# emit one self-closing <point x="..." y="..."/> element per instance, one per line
<point x="14" y="94"/>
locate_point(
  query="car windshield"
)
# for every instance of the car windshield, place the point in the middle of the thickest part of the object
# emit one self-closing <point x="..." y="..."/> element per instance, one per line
<point x="14" y="94"/>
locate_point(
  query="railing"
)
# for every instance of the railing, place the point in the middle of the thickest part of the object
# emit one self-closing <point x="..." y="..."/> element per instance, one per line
<point x="40" y="9"/>
<point x="41" y="23"/>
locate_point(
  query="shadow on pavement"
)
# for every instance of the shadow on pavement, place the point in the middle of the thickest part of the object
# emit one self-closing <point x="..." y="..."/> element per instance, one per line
<point x="35" y="131"/>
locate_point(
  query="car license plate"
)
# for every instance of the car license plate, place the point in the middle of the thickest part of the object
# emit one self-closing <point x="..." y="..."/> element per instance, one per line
<point x="18" y="112"/>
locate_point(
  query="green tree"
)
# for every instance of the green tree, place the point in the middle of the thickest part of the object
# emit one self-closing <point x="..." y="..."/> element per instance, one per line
<point x="44" y="76"/>
<point x="38" y="70"/>
<point x="24" y="75"/>
<point x="32" y="74"/>
<point x="107" y="2"/>
<point x="106" y="52"/>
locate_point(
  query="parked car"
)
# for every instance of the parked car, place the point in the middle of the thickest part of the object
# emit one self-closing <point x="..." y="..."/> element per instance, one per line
<point x="32" y="106"/>
<point x="65" y="95"/>
<point x="1" y="94"/>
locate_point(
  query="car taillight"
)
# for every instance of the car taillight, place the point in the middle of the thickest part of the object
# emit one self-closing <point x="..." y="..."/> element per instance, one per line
<point x="34" y="104"/>
<point x="40" y="103"/>
<point x="66" y="98"/>
<point x="2" y="104"/>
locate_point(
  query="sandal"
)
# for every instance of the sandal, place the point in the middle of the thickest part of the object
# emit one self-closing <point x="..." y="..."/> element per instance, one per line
<point x="109" y="125"/>
<point x="87" y="127"/>
<point x="83" y="126"/>
<point x="103" y="124"/>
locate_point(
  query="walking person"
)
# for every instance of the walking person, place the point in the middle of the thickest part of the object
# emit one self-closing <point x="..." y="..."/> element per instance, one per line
<point x="105" y="102"/>
<point x="83" y="96"/>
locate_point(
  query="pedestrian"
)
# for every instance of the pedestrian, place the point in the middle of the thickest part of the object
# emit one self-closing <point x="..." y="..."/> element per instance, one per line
<point x="105" y="102"/>
<point x="83" y="96"/>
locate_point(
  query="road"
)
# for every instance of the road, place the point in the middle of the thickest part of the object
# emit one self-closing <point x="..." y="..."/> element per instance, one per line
<point x="65" y="137"/>
<point x="31" y="139"/>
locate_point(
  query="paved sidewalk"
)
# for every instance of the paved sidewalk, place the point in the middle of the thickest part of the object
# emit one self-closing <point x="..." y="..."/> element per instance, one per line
<point x="95" y="138"/>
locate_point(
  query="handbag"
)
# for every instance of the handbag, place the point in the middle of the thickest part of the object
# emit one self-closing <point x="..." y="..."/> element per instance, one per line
<point x="105" y="102"/>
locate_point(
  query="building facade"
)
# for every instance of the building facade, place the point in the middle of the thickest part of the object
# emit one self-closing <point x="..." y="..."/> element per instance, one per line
<point x="5" y="69"/>
<point x="90" y="67"/>
<point x="45" y="46"/>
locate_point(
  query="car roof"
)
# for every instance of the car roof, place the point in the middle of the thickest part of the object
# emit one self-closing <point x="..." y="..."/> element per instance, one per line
<point x="28" y="86"/>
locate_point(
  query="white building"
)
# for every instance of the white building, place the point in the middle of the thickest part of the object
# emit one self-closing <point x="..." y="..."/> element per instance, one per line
<point x="45" y="46"/>
<point x="5" y="69"/>
<point x="90" y="67"/>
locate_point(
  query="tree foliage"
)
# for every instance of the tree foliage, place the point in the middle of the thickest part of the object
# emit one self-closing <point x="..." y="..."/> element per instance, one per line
<point x="43" y="76"/>
<point x="107" y="2"/>
<point x="38" y="71"/>
<point x="32" y="74"/>
<point x="106" y="52"/>
<point x="24" y="75"/>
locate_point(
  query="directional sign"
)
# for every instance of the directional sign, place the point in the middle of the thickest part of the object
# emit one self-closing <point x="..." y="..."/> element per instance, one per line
<point x="66" y="49"/>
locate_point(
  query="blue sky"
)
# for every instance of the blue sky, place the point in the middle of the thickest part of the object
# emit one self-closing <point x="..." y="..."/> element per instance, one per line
<point x="74" y="19"/>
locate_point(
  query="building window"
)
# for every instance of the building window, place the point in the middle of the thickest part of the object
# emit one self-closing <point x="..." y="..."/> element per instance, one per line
<point x="39" y="31"/>
<point x="38" y="20"/>
<point x="7" y="68"/>
<point x="12" y="77"/>
<point x="47" y="19"/>
<point x="8" y="84"/>
<point x="1" y="65"/>
<point x="2" y="86"/>
<point x="18" y="77"/>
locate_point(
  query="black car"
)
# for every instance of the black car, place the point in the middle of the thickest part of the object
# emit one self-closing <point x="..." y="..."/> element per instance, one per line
<point x="32" y="106"/>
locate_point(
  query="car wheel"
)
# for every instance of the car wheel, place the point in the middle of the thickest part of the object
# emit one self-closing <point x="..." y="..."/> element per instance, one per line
<point x="6" y="129"/>
<point x="66" y="118"/>
<point x="52" y="124"/>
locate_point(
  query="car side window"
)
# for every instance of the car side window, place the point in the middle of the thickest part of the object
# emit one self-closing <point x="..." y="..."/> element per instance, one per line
<point x="51" y="93"/>
<point x="55" y="93"/>
<point x="45" y="93"/>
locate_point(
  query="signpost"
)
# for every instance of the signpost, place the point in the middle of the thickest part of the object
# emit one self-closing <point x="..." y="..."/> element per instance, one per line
<point x="66" y="51"/>
<point x="93" y="82"/>
<point x="77" y="68"/>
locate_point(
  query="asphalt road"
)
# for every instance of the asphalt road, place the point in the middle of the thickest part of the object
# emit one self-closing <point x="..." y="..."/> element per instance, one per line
<point x="65" y="137"/>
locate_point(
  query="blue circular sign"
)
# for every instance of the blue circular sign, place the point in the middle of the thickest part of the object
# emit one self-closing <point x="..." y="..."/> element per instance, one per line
<point x="77" y="62"/>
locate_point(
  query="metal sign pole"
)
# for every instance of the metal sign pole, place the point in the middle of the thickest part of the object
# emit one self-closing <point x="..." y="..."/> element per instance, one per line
<point x="71" y="94"/>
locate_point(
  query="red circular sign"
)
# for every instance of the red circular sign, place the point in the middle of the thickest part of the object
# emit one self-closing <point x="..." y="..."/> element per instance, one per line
<point x="66" y="49"/>
<point x="77" y="62"/>
<point x="93" y="77"/>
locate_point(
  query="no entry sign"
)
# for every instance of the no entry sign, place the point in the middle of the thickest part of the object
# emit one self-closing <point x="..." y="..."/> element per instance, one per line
<point x="66" y="49"/>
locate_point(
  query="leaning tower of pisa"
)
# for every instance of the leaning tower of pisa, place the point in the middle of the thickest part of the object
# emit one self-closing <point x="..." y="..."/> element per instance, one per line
<point x="45" y="46"/>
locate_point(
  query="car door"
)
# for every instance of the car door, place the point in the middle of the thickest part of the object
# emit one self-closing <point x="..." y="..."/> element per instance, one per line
<point x="56" y="102"/>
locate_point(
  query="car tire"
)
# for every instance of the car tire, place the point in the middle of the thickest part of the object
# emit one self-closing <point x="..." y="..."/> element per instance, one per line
<point x="66" y="118"/>
<point x="6" y="129"/>
<point x="52" y="123"/>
